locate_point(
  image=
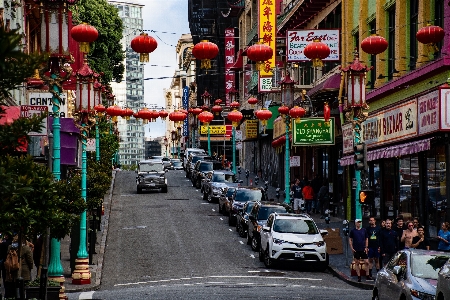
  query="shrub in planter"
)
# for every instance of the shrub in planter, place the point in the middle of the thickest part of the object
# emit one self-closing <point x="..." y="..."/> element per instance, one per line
<point x="32" y="289"/>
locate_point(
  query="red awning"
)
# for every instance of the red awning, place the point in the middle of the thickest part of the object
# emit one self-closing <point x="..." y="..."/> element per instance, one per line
<point x="331" y="84"/>
<point x="12" y="113"/>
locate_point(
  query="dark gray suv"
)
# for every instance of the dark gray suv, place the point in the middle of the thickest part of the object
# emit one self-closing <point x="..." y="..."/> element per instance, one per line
<point x="151" y="175"/>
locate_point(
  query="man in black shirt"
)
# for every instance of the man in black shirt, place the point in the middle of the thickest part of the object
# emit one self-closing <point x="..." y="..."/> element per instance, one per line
<point x="388" y="242"/>
<point x="373" y="232"/>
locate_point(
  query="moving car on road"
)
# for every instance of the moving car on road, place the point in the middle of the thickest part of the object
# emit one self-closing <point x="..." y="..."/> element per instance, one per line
<point x="151" y="175"/>
<point x="293" y="237"/>
<point x="176" y="164"/>
<point x="410" y="274"/>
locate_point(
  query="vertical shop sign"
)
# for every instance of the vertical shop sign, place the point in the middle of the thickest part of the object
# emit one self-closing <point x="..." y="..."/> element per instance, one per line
<point x="428" y="112"/>
<point x="267" y="33"/>
<point x="229" y="62"/>
<point x="185" y="100"/>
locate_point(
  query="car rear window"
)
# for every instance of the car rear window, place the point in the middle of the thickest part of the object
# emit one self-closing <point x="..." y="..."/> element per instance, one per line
<point x="265" y="211"/>
<point x="205" y="166"/>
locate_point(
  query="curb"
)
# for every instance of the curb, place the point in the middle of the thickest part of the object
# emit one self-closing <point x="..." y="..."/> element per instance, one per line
<point x="342" y="276"/>
<point x="97" y="269"/>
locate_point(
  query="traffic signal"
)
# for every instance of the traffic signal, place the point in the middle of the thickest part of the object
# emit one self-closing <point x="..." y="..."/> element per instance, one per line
<point x="360" y="156"/>
<point x="366" y="196"/>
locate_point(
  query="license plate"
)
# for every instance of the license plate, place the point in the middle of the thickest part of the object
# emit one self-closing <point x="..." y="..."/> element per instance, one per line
<point x="299" y="254"/>
<point x="151" y="184"/>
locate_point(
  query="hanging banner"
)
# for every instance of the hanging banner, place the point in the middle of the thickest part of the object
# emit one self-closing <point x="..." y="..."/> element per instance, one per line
<point x="185" y="100"/>
<point x="229" y="62"/>
<point x="267" y="34"/>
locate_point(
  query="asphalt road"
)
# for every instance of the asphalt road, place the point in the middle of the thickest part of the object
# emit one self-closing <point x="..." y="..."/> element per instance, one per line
<point x="177" y="246"/>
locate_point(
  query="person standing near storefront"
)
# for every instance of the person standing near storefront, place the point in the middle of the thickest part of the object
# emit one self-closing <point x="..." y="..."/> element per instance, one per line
<point x="373" y="232"/>
<point x="420" y="241"/>
<point x="308" y="197"/>
<point x="297" y="189"/>
<point x="388" y="242"/>
<point x="408" y="234"/>
<point x="358" y="241"/>
<point x="444" y="237"/>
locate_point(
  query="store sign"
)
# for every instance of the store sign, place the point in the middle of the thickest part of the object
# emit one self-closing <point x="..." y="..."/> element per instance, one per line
<point x="251" y="129"/>
<point x="347" y="138"/>
<point x="267" y="34"/>
<point x="279" y="128"/>
<point x="297" y="40"/>
<point x="313" y="131"/>
<point x="428" y="112"/>
<point x="265" y="84"/>
<point x="445" y="109"/>
<point x="27" y="111"/>
<point x="45" y="98"/>
<point x="294" y="161"/>
<point x="392" y="124"/>
<point x="213" y="129"/>
<point x="229" y="62"/>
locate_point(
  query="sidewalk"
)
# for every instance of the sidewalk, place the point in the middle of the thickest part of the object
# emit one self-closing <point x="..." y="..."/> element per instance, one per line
<point x="339" y="263"/>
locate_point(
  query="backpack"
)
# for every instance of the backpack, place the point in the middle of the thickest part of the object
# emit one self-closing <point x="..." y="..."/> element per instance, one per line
<point x="11" y="262"/>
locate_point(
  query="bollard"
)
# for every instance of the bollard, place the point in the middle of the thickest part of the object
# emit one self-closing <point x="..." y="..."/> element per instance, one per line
<point x="20" y="288"/>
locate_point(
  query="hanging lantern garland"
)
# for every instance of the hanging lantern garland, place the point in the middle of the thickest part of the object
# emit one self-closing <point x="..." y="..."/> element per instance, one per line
<point x="144" y="45"/>
<point x="216" y="109"/>
<point x="296" y="113"/>
<point x="100" y="109"/>
<point x="263" y="115"/>
<point x="163" y="114"/>
<point x="252" y="101"/>
<point x="259" y="53"/>
<point x="374" y="44"/>
<point x="114" y="111"/>
<point x="128" y="113"/>
<point x="430" y="35"/>
<point x="205" y="51"/>
<point x="317" y="51"/>
<point x="235" y="117"/>
<point x="205" y="117"/>
<point x="84" y="34"/>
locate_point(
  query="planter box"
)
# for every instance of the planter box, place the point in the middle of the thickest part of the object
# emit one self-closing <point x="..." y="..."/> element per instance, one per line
<point x="32" y="292"/>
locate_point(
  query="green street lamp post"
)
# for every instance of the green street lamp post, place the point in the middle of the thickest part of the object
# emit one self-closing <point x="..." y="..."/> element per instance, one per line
<point x="207" y="97"/>
<point x="166" y="143"/>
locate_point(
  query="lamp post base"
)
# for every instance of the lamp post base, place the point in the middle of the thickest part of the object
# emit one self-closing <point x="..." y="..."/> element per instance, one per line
<point x="81" y="275"/>
<point x="62" y="291"/>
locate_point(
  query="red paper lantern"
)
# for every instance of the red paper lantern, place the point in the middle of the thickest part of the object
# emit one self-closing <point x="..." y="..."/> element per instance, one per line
<point x="196" y="111"/>
<point x="99" y="108"/>
<point x="144" y="45"/>
<point x="218" y="101"/>
<point x="374" y="44"/>
<point x="128" y="113"/>
<point x="217" y="109"/>
<point x="263" y="115"/>
<point x="205" y="117"/>
<point x="259" y="53"/>
<point x="163" y="114"/>
<point x="234" y="104"/>
<point x="430" y="34"/>
<point x="183" y="111"/>
<point x="177" y="116"/>
<point x="296" y="113"/>
<point x="205" y="51"/>
<point x="235" y="117"/>
<point x="84" y="34"/>
<point x="136" y="115"/>
<point x="282" y="140"/>
<point x="284" y="110"/>
<point x="155" y="115"/>
<point x="316" y="51"/>
<point x="252" y="101"/>
<point x="274" y="143"/>
<point x="326" y="112"/>
<point x="145" y="114"/>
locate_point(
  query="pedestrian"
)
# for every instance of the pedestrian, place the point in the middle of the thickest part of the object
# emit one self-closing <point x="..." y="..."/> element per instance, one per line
<point x="26" y="265"/>
<point x="388" y="242"/>
<point x="316" y="184"/>
<point x="408" y="234"/>
<point x="416" y="223"/>
<point x="4" y="244"/>
<point x="373" y="232"/>
<point x="383" y="224"/>
<point x="358" y="241"/>
<point x="399" y="229"/>
<point x="308" y="197"/>
<point x="420" y="241"/>
<point x="324" y="198"/>
<point x="444" y="237"/>
<point x="297" y="190"/>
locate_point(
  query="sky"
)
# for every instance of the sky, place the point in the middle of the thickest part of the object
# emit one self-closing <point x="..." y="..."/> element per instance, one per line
<point x="169" y="20"/>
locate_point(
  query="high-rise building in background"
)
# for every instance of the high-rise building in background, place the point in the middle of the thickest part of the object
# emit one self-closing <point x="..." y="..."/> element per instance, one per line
<point x="130" y="92"/>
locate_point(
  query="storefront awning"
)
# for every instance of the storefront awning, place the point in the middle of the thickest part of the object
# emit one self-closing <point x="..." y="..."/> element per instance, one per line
<point x="330" y="84"/>
<point x="391" y="151"/>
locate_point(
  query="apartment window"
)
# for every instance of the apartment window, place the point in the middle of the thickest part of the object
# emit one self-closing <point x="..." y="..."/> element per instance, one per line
<point x="413" y="28"/>
<point x="391" y="42"/>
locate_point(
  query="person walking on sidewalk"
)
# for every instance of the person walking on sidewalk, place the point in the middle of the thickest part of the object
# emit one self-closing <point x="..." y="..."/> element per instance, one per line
<point x="388" y="242"/>
<point x="324" y="199"/>
<point x="444" y="237"/>
<point x="297" y="189"/>
<point x="316" y="184"/>
<point x="374" y="245"/>
<point x="359" y="243"/>
<point x="308" y="197"/>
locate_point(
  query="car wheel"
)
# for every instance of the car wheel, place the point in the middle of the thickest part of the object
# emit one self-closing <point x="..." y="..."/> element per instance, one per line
<point x="241" y="230"/>
<point x="205" y="196"/>
<point x="249" y="239"/>
<point x="255" y="243"/>
<point x="268" y="262"/>
<point x="139" y="190"/>
<point x="220" y="209"/>
<point x="198" y="184"/>
<point x="209" y="198"/>
<point x="164" y="189"/>
<point x="261" y="253"/>
<point x="324" y="264"/>
<point x="375" y="295"/>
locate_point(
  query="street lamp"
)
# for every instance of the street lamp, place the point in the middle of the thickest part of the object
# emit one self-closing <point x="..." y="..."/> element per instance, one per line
<point x="166" y="143"/>
<point x="355" y="105"/>
<point x="174" y="137"/>
<point x="235" y="117"/>
<point x="287" y="99"/>
<point x="178" y="140"/>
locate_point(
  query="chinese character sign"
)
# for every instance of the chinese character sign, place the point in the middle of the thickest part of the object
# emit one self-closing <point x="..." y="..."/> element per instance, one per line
<point x="229" y="62"/>
<point x="185" y="106"/>
<point x="267" y="32"/>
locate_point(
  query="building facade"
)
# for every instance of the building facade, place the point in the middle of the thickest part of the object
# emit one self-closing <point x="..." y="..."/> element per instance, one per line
<point x="130" y="92"/>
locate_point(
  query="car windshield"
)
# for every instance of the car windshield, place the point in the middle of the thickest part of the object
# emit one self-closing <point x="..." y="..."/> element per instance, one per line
<point x="176" y="163"/>
<point x="265" y="211"/>
<point x="196" y="158"/>
<point x="150" y="167"/>
<point x="223" y="177"/>
<point x="207" y="166"/>
<point x="298" y="226"/>
<point x="427" y="265"/>
<point x="248" y="195"/>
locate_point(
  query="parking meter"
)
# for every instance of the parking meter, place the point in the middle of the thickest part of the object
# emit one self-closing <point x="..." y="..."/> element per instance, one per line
<point x="346" y="227"/>
<point x="256" y="180"/>
<point x="239" y="170"/>
<point x="328" y="217"/>
<point x="277" y="190"/>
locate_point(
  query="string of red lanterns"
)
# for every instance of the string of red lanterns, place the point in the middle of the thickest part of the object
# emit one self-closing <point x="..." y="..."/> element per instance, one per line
<point x="144" y="45"/>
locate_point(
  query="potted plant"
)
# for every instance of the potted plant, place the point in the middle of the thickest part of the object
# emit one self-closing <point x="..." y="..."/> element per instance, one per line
<point x="32" y="289"/>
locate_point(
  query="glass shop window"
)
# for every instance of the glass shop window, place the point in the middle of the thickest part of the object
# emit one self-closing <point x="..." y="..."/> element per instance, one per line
<point x="375" y="184"/>
<point x="408" y="192"/>
<point x="436" y="201"/>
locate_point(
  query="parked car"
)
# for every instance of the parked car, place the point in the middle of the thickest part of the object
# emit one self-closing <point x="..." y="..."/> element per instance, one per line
<point x="151" y="175"/>
<point x="188" y="151"/>
<point x="192" y="160"/>
<point x="242" y="219"/>
<point x="176" y="164"/>
<point x="241" y="196"/>
<point x="258" y="218"/>
<point x="410" y="274"/>
<point x="443" y="283"/>
<point x="215" y="183"/>
<point x="202" y="167"/>
<point x="293" y="237"/>
<point x="225" y="200"/>
<point x="167" y="162"/>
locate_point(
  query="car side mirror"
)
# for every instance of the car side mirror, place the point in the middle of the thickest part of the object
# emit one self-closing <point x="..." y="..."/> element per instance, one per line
<point x="323" y="232"/>
<point x="167" y="170"/>
<point x="397" y="270"/>
<point x="266" y="228"/>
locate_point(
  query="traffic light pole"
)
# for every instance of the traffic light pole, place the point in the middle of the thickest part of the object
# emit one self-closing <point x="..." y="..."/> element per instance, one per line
<point x="358" y="208"/>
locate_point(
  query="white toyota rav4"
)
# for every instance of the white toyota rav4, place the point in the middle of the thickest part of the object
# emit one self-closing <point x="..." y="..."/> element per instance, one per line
<point x="293" y="237"/>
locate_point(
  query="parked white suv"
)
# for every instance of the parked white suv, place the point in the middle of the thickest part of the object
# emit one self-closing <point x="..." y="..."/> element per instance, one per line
<point x="293" y="237"/>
